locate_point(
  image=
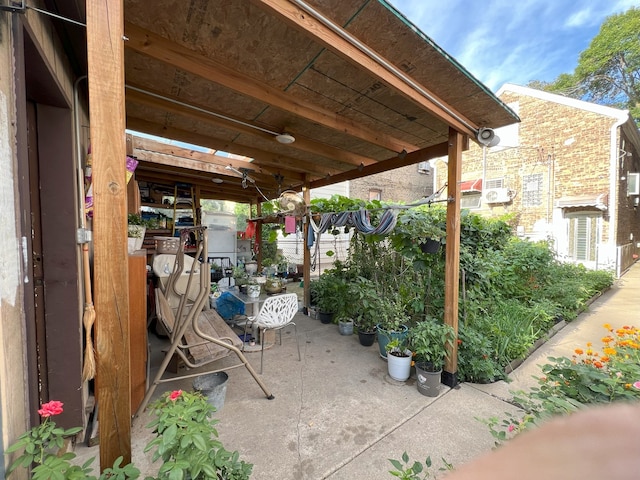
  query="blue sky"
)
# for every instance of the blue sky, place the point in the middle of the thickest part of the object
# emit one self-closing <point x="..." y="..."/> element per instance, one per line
<point x="512" y="41"/>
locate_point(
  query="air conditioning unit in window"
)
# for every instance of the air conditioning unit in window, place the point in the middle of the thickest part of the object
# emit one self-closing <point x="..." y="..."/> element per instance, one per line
<point x="496" y="195"/>
<point x="423" y="167"/>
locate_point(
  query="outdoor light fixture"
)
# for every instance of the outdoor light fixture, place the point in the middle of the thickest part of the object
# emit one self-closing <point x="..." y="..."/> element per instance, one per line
<point x="285" y="138"/>
<point x="217" y="180"/>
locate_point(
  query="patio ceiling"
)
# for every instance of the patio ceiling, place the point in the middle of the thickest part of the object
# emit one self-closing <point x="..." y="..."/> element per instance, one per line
<point x="356" y="85"/>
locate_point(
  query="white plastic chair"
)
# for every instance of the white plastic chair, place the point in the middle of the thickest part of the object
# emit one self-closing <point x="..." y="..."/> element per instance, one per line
<point x="276" y="313"/>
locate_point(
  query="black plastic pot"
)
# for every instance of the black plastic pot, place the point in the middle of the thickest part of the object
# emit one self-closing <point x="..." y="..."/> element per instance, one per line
<point x="367" y="338"/>
<point x="325" y="317"/>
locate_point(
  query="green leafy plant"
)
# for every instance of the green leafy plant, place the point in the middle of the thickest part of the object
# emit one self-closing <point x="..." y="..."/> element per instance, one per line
<point x="187" y="440"/>
<point x="429" y="340"/>
<point x="330" y="292"/>
<point x="136" y="224"/>
<point x="364" y="302"/>
<point x="43" y="448"/>
<point x="407" y="470"/>
<point x="398" y="346"/>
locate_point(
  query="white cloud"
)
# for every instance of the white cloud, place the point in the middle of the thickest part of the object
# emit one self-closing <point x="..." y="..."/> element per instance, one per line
<point x="579" y="18"/>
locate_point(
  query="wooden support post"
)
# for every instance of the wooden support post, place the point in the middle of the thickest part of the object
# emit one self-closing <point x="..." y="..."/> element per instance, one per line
<point x="259" y="234"/>
<point x="306" y="259"/>
<point x="105" y="55"/>
<point x="452" y="259"/>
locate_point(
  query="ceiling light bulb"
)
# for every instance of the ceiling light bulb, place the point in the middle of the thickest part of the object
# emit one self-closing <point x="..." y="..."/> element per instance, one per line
<point x="217" y="180"/>
<point x="285" y="138"/>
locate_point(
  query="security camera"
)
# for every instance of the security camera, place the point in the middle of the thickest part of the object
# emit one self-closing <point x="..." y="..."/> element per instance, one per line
<point x="487" y="137"/>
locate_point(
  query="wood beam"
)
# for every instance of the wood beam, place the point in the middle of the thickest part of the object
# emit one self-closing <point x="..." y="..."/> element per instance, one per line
<point x="423" y="155"/>
<point x="202" y="170"/>
<point x="155" y="46"/>
<point x="227" y="191"/>
<point x="196" y="112"/>
<point x="260" y="157"/>
<point x="153" y="150"/>
<point x="336" y="43"/>
<point x="105" y="54"/>
<point x="452" y="258"/>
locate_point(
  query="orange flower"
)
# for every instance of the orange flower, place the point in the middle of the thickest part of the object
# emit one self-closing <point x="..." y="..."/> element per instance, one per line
<point x="598" y="364"/>
<point x="607" y="339"/>
<point x="607" y="326"/>
<point x="604" y="359"/>
<point x="589" y="344"/>
<point x="579" y="351"/>
<point x="609" y="351"/>
<point x="627" y="386"/>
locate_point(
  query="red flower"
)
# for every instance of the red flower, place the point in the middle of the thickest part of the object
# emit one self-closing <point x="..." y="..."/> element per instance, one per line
<point x="51" y="408"/>
<point x="174" y="395"/>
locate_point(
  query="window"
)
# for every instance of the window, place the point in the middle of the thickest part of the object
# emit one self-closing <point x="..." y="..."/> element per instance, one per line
<point x="633" y="186"/>
<point x="582" y="237"/>
<point x="424" y="168"/>
<point x="532" y="190"/>
<point x="375" y="194"/>
<point x="470" y="200"/>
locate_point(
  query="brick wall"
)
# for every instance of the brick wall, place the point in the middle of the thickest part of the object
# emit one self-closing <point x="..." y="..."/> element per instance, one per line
<point x="400" y="185"/>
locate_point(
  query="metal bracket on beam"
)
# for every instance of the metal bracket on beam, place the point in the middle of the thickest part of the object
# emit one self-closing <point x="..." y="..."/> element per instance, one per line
<point x="83" y="236"/>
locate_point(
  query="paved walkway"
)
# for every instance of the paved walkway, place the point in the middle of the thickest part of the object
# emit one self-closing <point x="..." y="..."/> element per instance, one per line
<point x="337" y="415"/>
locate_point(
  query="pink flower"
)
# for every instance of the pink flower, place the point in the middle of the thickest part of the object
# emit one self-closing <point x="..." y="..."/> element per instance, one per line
<point x="512" y="427"/>
<point x="174" y="395"/>
<point x="51" y="408"/>
<point x="637" y="385"/>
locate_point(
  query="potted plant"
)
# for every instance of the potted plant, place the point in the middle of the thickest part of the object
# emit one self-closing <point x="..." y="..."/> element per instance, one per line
<point x="241" y="278"/>
<point x="399" y="359"/>
<point x="253" y="287"/>
<point x="392" y="323"/>
<point x="330" y="295"/>
<point x="364" y="302"/>
<point x="345" y="325"/>
<point x="429" y="340"/>
<point x="136" y="228"/>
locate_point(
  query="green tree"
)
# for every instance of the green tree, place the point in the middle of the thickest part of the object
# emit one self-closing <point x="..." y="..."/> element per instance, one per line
<point x="608" y="71"/>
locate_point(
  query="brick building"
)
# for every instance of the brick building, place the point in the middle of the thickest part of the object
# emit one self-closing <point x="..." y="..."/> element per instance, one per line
<point x="568" y="173"/>
<point x="406" y="184"/>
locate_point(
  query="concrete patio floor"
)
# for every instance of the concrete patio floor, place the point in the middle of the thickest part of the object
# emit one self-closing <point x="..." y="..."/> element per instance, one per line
<point x="338" y="415"/>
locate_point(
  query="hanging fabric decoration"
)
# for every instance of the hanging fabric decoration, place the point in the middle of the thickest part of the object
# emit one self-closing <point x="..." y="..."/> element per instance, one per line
<point x="290" y="224"/>
<point x="251" y="229"/>
<point x="361" y="220"/>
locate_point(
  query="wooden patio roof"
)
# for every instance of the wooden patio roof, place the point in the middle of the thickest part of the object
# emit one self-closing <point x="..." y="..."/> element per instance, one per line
<point x="354" y="82"/>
